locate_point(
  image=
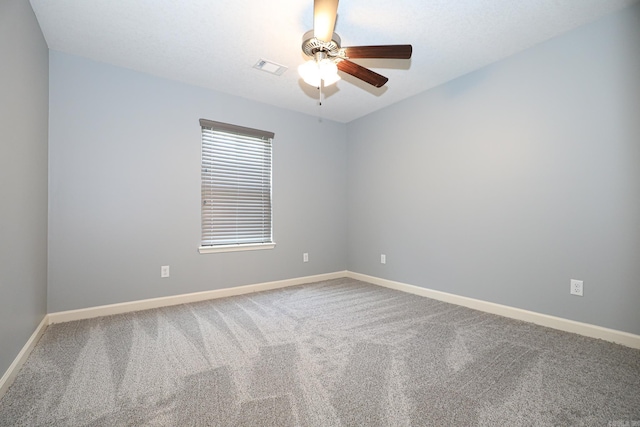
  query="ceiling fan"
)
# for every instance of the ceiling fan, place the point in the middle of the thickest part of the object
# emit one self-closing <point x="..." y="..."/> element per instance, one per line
<point x="328" y="56"/>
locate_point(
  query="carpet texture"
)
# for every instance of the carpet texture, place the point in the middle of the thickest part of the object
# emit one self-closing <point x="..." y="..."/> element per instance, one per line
<point x="334" y="353"/>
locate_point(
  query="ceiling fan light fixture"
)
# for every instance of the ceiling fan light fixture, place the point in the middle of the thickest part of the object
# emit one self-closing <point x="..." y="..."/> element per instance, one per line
<point x="324" y="46"/>
<point x="312" y="72"/>
<point x="331" y="78"/>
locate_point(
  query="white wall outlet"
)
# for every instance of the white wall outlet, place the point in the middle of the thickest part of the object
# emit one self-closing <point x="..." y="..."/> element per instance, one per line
<point x="576" y="287"/>
<point x="383" y="259"/>
<point x="164" y="271"/>
<point x="305" y="257"/>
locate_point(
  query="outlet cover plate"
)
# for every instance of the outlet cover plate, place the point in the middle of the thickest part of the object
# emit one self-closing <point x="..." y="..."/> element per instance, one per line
<point x="576" y="287"/>
<point x="164" y="271"/>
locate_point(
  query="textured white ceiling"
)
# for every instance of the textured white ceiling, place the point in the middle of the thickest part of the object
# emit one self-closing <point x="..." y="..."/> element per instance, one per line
<point x="215" y="43"/>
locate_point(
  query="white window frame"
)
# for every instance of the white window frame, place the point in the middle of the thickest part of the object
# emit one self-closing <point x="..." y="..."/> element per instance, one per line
<point x="226" y="150"/>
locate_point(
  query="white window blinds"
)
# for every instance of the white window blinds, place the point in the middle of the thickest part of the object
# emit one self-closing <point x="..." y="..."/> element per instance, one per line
<point x="236" y="185"/>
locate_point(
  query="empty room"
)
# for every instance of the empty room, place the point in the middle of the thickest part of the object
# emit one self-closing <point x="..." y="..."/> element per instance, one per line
<point x="320" y="213"/>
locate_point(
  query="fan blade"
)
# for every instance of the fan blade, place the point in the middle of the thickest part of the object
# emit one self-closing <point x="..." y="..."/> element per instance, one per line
<point x="324" y="19"/>
<point x="392" y="51"/>
<point x="364" y="74"/>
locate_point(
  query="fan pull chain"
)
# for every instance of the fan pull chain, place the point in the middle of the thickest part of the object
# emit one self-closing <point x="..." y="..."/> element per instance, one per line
<point x="320" y="101"/>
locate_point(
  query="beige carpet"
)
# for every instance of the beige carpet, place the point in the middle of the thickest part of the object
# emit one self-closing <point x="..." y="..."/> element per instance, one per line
<point x="335" y="353"/>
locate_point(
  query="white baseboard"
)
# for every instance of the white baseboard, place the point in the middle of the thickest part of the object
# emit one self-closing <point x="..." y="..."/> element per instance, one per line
<point x="126" y="307"/>
<point x="12" y="372"/>
<point x="592" y="331"/>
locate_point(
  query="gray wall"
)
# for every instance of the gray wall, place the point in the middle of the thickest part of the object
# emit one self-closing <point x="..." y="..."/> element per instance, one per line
<point x="125" y="188"/>
<point x="501" y="185"/>
<point x="508" y="182"/>
<point x="23" y="177"/>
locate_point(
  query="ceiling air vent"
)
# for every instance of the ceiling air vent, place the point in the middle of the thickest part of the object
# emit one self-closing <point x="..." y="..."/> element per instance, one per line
<point x="270" y="67"/>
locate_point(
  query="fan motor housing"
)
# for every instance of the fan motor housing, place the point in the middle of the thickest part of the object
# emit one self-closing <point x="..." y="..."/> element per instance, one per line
<point x="311" y="45"/>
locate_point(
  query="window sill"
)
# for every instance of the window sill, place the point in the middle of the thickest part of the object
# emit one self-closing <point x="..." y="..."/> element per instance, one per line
<point x="236" y="248"/>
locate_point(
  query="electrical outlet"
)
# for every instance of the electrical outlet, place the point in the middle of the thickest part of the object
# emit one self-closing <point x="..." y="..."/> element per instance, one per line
<point x="305" y="257"/>
<point x="383" y="259"/>
<point x="576" y="287"/>
<point x="164" y="271"/>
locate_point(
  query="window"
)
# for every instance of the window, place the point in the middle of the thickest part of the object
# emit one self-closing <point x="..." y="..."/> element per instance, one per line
<point x="236" y="188"/>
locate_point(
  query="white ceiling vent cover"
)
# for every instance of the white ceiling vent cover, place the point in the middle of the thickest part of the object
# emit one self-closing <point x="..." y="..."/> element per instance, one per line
<point x="270" y="67"/>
